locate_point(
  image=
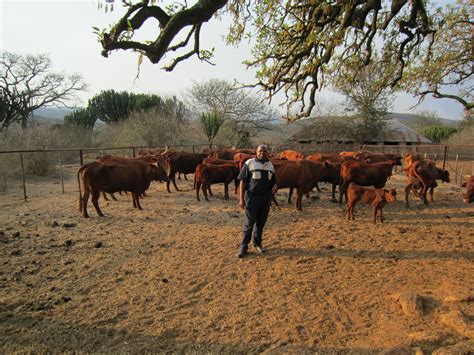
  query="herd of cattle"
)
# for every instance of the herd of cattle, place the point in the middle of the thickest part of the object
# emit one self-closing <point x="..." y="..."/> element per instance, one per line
<point x="353" y="172"/>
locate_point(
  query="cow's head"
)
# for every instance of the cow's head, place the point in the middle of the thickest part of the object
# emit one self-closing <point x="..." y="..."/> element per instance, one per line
<point x="443" y="175"/>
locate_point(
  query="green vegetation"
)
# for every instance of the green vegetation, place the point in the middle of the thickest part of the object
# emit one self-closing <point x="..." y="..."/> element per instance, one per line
<point x="438" y="133"/>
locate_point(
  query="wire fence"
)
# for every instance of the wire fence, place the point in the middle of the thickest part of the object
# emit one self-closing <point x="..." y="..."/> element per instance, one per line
<point x="20" y="168"/>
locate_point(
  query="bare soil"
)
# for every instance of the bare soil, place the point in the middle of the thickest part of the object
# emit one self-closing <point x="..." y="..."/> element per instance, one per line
<point x="167" y="279"/>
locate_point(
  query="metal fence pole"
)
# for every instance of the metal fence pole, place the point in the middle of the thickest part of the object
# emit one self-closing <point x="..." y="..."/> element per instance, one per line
<point x="456" y="169"/>
<point x="81" y="156"/>
<point x="23" y="177"/>
<point x="61" y="172"/>
<point x="444" y="156"/>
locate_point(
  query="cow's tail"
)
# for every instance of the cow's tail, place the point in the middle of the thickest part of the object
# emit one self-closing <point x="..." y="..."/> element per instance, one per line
<point x="417" y="174"/>
<point x="81" y="169"/>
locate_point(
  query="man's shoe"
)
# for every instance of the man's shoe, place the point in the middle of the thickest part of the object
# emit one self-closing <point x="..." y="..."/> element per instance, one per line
<point x="242" y="253"/>
<point x="260" y="249"/>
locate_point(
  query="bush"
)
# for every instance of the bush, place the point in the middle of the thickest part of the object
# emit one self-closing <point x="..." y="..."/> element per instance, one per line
<point x="151" y="129"/>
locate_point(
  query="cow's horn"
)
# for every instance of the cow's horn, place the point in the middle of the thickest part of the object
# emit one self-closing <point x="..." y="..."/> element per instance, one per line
<point x="166" y="149"/>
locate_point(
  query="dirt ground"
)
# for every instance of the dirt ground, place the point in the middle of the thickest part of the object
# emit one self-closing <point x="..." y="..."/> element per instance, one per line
<point x="167" y="279"/>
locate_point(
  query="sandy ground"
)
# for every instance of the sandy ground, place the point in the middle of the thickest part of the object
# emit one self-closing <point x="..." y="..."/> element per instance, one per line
<point x="167" y="279"/>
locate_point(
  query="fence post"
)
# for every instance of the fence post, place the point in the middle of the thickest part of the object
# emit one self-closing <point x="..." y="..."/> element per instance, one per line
<point x="460" y="179"/>
<point x="81" y="157"/>
<point x="435" y="158"/>
<point x="133" y="151"/>
<point x="23" y="177"/>
<point x="456" y="170"/>
<point x="193" y="147"/>
<point x="444" y="156"/>
<point x="61" y="172"/>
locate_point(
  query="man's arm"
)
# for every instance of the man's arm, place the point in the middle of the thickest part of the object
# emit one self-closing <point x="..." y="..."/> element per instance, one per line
<point x="242" y="194"/>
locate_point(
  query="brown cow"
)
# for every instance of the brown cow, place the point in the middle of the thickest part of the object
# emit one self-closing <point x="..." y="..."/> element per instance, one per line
<point x="303" y="175"/>
<point x="378" y="198"/>
<point x="145" y="158"/>
<point x="364" y="174"/>
<point x="290" y="155"/>
<point x="182" y="162"/>
<point x="207" y="174"/>
<point x="442" y="175"/>
<point x="113" y="176"/>
<point x="469" y="195"/>
<point x="424" y="173"/>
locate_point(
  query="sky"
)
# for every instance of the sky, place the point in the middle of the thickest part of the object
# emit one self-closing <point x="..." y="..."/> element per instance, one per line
<point x="63" y="29"/>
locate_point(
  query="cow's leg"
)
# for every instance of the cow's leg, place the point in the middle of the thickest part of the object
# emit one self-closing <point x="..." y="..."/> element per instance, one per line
<point x="431" y="193"/>
<point x="274" y="200"/>
<point x="185" y="177"/>
<point x="137" y="198"/>
<point x="299" y="198"/>
<point x="179" y="176"/>
<point x="85" y="199"/>
<point x="226" y="191"/>
<point x="333" y="192"/>
<point x="381" y="214"/>
<point x="209" y="190"/>
<point x="317" y="188"/>
<point x="95" y="202"/>
<point x="172" y="178"/>
<point x="236" y="186"/>
<point x="205" y="187"/>
<point x="290" y="194"/>
<point x="343" y="190"/>
<point x="197" y="187"/>
<point x="134" y="200"/>
<point x="407" y="192"/>
<point x="105" y="196"/>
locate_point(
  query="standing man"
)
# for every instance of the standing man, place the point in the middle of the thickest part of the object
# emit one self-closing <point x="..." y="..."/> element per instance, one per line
<point x="257" y="183"/>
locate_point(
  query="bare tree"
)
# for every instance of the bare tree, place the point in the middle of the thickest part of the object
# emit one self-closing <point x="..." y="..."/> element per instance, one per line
<point x="231" y="103"/>
<point x="28" y="83"/>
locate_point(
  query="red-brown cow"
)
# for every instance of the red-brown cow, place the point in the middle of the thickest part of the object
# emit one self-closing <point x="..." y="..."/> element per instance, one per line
<point x="182" y="162"/>
<point x="469" y="195"/>
<point x="303" y="175"/>
<point x="290" y="155"/>
<point x="207" y="174"/>
<point x="114" y="176"/>
<point x="378" y="198"/>
<point x="371" y="157"/>
<point x="424" y="173"/>
<point x="364" y="174"/>
<point x="410" y="158"/>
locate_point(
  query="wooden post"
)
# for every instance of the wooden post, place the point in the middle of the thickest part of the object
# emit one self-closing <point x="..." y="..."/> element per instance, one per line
<point x="133" y="151"/>
<point x="444" y="156"/>
<point x="460" y="179"/>
<point x="23" y="177"/>
<point x="61" y="172"/>
<point x="81" y="157"/>
<point x="435" y="158"/>
<point x="193" y="147"/>
<point x="456" y="170"/>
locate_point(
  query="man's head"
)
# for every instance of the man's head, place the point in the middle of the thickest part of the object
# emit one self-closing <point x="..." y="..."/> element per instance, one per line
<point x="262" y="152"/>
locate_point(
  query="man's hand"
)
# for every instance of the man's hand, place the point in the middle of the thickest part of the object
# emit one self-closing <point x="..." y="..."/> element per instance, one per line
<point x="274" y="189"/>
<point x="242" y="204"/>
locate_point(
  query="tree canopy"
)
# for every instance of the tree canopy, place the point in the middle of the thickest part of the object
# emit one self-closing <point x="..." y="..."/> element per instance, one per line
<point x="299" y="46"/>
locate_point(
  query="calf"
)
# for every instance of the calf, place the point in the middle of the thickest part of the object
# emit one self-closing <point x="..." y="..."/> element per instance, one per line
<point x="469" y="195"/>
<point x="378" y="198"/>
<point x="364" y="174"/>
<point x="207" y="174"/>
